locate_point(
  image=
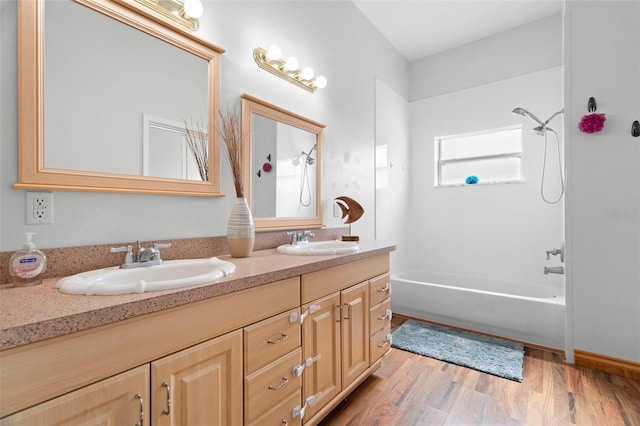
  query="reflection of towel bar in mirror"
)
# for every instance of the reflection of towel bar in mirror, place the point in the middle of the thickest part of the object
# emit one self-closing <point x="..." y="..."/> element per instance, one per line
<point x="33" y="172"/>
<point x="281" y="199"/>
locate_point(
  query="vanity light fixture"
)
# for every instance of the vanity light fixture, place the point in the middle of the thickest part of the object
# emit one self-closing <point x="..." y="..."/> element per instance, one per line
<point x="288" y="69"/>
<point x="181" y="12"/>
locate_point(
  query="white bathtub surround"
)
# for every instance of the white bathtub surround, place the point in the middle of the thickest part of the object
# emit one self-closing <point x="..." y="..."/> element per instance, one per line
<point x="530" y="313"/>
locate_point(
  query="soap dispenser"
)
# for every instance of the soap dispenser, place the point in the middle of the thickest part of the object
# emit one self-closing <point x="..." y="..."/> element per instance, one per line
<point x="27" y="265"/>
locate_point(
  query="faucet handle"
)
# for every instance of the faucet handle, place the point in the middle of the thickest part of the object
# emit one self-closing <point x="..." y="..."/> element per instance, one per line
<point x="155" y="251"/>
<point x="293" y="235"/>
<point x="128" y="249"/>
<point x="128" y="257"/>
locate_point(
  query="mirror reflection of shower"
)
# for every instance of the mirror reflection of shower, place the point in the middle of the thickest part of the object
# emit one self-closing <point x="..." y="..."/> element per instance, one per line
<point x="304" y="177"/>
<point x="542" y="129"/>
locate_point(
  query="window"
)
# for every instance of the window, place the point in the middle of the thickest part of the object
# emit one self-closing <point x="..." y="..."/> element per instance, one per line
<point x="493" y="156"/>
<point x="382" y="169"/>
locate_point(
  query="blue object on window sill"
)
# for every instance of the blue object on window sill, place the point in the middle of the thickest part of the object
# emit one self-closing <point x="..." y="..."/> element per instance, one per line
<point x="471" y="180"/>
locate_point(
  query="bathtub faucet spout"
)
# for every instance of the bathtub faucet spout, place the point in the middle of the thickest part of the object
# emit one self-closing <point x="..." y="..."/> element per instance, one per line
<point x="553" y="270"/>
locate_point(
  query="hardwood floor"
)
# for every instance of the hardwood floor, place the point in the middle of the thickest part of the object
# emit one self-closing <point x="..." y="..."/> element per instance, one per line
<point x="411" y="390"/>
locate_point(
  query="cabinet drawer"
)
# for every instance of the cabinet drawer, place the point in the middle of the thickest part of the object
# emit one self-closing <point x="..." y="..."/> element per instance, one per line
<point x="379" y="316"/>
<point x="322" y="283"/>
<point x="268" y="386"/>
<point x="380" y="343"/>
<point x="379" y="289"/>
<point x="268" y="340"/>
<point x="281" y="414"/>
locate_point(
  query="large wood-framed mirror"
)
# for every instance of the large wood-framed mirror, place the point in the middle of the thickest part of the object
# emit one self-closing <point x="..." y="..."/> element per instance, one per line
<point x="281" y="153"/>
<point x="81" y="128"/>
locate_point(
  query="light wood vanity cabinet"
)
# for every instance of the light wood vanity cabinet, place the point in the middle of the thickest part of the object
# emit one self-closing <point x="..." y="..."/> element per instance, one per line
<point x="119" y="400"/>
<point x="282" y="353"/>
<point x="336" y="334"/>
<point x="201" y="385"/>
<point x="380" y="316"/>
<point x="272" y="352"/>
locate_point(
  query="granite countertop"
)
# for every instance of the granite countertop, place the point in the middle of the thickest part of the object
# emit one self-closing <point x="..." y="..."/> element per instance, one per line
<point x="35" y="313"/>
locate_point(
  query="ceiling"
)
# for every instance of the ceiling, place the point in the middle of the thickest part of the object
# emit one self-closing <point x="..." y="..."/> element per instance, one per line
<point x="421" y="28"/>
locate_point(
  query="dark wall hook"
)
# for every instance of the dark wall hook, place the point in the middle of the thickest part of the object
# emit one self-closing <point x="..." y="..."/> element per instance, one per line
<point x="635" y="129"/>
<point x="591" y="106"/>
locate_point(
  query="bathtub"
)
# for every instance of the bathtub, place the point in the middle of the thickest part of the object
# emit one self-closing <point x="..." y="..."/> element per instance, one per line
<point x="530" y="313"/>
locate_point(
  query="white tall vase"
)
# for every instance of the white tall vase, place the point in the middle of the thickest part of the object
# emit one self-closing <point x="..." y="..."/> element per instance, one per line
<point x="240" y="231"/>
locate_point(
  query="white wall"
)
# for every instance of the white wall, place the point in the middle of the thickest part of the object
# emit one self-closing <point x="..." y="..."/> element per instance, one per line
<point x="532" y="47"/>
<point x="603" y="204"/>
<point x="491" y="231"/>
<point x="332" y="37"/>
<point x="393" y="202"/>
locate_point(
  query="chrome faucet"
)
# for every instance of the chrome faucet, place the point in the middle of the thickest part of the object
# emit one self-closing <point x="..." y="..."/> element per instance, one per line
<point x="555" y="252"/>
<point x="553" y="270"/>
<point x="300" y="237"/>
<point x="144" y="257"/>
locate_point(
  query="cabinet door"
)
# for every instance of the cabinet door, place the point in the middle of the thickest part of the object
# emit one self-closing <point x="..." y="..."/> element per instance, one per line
<point x="321" y="342"/>
<point x="119" y="400"/>
<point x="355" y="331"/>
<point x="201" y="385"/>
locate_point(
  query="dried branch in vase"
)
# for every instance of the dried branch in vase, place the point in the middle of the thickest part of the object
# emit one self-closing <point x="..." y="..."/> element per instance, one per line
<point x="198" y="143"/>
<point x="232" y="139"/>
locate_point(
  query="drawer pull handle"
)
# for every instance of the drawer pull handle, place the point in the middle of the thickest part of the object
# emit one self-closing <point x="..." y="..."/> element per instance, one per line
<point x="284" y="382"/>
<point x="278" y="340"/>
<point x="141" y="416"/>
<point x="387" y="287"/>
<point x="387" y="341"/>
<point x="167" y="410"/>
<point x="387" y="314"/>
<point x="285" y="423"/>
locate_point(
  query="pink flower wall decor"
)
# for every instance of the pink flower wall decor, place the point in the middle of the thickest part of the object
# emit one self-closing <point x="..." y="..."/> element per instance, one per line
<point x="592" y="123"/>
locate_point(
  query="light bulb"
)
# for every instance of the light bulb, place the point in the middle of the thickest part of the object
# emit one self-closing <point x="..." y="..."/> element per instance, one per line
<point x="292" y="63"/>
<point x="321" y="82"/>
<point x="307" y="73"/>
<point x="274" y="52"/>
<point x="193" y="8"/>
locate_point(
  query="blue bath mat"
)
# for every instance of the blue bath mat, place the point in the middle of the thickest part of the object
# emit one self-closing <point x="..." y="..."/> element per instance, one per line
<point x="491" y="355"/>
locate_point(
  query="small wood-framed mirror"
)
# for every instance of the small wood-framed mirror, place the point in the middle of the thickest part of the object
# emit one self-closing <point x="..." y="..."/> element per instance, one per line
<point x="70" y="129"/>
<point x="281" y="166"/>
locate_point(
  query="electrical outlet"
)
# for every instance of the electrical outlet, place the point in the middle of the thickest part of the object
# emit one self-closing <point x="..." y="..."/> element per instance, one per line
<point x="39" y="208"/>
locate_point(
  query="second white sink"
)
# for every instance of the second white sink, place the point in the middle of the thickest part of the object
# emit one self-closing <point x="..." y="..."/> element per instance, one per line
<point x="320" y="248"/>
<point x="168" y="275"/>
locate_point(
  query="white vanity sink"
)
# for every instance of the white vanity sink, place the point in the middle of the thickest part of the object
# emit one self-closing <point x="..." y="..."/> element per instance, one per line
<point x="168" y="275"/>
<point x="320" y="248"/>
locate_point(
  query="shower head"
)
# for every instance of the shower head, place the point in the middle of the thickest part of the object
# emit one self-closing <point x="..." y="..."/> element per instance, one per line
<point x="310" y="160"/>
<point x="523" y="112"/>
